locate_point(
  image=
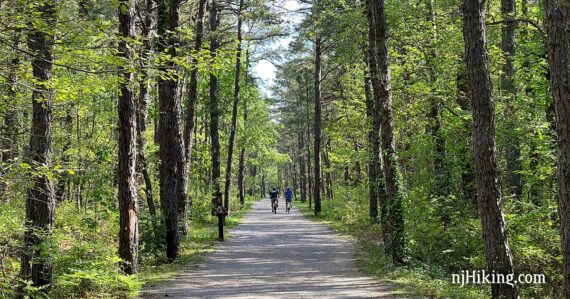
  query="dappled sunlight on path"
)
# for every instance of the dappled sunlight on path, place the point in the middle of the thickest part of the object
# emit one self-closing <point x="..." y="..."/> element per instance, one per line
<point x="276" y="255"/>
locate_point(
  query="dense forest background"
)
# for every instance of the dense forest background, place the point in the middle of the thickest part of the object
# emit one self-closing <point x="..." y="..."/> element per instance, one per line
<point x="436" y="131"/>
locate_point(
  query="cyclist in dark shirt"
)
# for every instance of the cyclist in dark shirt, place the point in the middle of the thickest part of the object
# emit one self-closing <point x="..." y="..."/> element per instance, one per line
<point x="274" y="195"/>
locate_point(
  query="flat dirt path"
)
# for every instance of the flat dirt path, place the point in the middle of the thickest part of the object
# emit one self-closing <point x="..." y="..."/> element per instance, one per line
<point x="276" y="256"/>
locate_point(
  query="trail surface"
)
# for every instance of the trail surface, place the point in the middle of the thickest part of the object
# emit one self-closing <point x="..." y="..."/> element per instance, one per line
<point x="276" y="256"/>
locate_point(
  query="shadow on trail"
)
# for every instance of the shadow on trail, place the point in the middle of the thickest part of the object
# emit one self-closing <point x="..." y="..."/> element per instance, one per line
<point x="276" y="255"/>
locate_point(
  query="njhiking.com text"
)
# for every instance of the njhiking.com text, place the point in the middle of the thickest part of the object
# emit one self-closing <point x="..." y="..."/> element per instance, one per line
<point x="485" y="277"/>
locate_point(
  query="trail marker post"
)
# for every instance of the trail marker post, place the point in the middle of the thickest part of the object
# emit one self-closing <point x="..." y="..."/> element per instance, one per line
<point x="221" y="212"/>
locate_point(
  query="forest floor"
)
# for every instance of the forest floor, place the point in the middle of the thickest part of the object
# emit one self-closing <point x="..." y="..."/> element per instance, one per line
<point x="276" y="255"/>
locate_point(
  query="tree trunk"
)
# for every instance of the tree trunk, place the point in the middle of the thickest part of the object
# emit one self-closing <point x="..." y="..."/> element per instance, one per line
<point x="467" y="171"/>
<point x="170" y="134"/>
<point x="279" y="176"/>
<point x="373" y="136"/>
<point x="328" y="174"/>
<point x="40" y="199"/>
<point x="241" y="176"/>
<point x="128" y="203"/>
<point x="253" y="174"/>
<point x="535" y="186"/>
<point x="286" y="176"/>
<point x="357" y="167"/>
<point x="374" y="168"/>
<point x="214" y="111"/>
<point x="63" y="180"/>
<point x="508" y="90"/>
<point x="295" y="180"/>
<point x="9" y="140"/>
<point x="182" y="200"/>
<point x="242" y="157"/>
<point x="308" y="147"/>
<point x="441" y="174"/>
<point x="498" y="254"/>
<point x="262" y="189"/>
<point x="301" y="155"/>
<point x="191" y="116"/>
<point x="317" y="128"/>
<point x="142" y="106"/>
<point x="557" y="22"/>
<point x="323" y="182"/>
<point x="380" y="76"/>
<point x="374" y="158"/>
<point x="241" y="167"/>
<point x="300" y="149"/>
<point x="233" y="129"/>
<point x="405" y="165"/>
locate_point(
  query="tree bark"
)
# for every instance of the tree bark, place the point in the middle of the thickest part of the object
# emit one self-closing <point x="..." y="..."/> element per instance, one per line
<point x="508" y="90"/>
<point x="262" y="189"/>
<point x="214" y="111"/>
<point x="498" y="254"/>
<point x="295" y="179"/>
<point x="63" y="179"/>
<point x="190" y="125"/>
<point x="373" y="132"/>
<point x="170" y="135"/>
<point x="391" y="172"/>
<point x="374" y="156"/>
<point x="380" y="76"/>
<point x="142" y="106"/>
<point x="317" y="128"/>
<point x="241" y="167"/>
<point x="534" y="186"/>
<point x="9" y="140"/>
<point x="233" y="129"/>
<point x="40" y="199"/>
<point x="467" y="167"/>
<point x="128" y="203"/>
<point x="279" y="176"/>
<point x="308" y="148"/>
<point x="252" y="187"/>
<point x="241" y="177"/>
<point x="328" y="170"/>
<point x="182" y="199"/>
<point x="557" y="24"/>
<point x="440" y="172"/>
<point x="301" y="155"/>
<point x="357" y="167"/>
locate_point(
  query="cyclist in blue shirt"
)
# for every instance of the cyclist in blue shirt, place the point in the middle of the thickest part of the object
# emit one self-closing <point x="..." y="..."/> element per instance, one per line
<point x="288" y="198"/>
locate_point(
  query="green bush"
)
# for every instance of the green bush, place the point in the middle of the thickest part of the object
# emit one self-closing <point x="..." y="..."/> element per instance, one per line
<point x="86" y="264"/>
<point x="98" y="278"/>
<point x="11" y="231"/>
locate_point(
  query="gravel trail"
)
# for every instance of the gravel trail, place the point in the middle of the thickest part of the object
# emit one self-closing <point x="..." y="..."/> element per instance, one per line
<point x="276" y="256"/>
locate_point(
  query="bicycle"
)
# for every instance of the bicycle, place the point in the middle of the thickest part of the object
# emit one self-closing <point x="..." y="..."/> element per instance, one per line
<point x="274" y="205"/>
<point x="288" y="206"/>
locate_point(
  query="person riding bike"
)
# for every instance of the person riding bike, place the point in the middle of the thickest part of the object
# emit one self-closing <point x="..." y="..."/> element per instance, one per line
<point x="288" y="197"/>
<point x="273" y="194"/>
